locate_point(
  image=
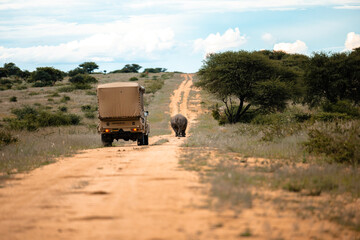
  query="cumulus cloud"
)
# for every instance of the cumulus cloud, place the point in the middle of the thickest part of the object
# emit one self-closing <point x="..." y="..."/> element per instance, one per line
<point x="103" y="47"/>
<point x="296" y="47"/>
<point x="141" y="37"/>
<point x="267" y="37"/>
<point x="352" y="41"/>
<point x="231" y="39"/>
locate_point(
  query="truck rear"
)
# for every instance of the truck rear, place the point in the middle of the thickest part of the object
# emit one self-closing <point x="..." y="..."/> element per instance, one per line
<point x="121" y="113"/>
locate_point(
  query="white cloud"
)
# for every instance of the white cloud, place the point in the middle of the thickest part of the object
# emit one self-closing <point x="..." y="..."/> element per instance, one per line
<point x="267" y="37"/>
<point x="234" y="5"/>
<point x="215" y="42"/>
<point x="127" y="44"/>
<point x="349" y="7"/>
<point x="296" y="47"/>
<point x="352" y="41"/>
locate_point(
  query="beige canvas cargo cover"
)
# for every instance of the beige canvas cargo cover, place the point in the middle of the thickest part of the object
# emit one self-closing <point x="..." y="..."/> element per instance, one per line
<point x="120" y="100"/>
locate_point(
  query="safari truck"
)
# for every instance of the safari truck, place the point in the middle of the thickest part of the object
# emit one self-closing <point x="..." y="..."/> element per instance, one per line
<point x="121" y="113"/>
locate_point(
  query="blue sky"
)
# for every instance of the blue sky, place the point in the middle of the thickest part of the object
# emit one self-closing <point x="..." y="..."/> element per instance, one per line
<point x="173" y="34"/>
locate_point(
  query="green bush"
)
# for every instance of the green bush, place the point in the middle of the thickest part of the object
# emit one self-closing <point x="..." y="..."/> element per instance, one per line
<point x="133" y="79"/>
<point x="66" y="88"/>
<point x="91" y="93"/>
<point x="82" y="86"/>
<point x="63" y="109"/>
<point x="13" y="99"/>
<point x="31" y="118"/>
<point x="89" y="108"/>
<point x="152" y="86"/>
<point x="6" y="138"/>
<point x="338" y="140"/>
<point x="90" y="115"/>
<point x="65" y="99"/>
<point x="344" y="106"/>
<point x="330" y="116"/>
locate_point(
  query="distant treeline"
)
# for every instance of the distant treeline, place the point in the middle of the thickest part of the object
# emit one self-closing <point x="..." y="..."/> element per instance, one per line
<point x="48" y="76"/>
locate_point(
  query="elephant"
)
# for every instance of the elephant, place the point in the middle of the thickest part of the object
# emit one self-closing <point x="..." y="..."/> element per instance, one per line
<point x="179" y="124"/>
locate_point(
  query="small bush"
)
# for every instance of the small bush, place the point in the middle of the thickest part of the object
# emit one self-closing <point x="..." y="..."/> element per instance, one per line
<point x="82" y="86"/>
<point x="66" y="88"/>
<point x="345" y="107"/>
<point x="33" y="93"/>
<point x="6" y="138"/>
<point x="63" y="109"/>
<point x="133" y="79"/>
<point x="330" y="116"/>
<point x="90" y="115"/>
<point x="144" y="75"/>
<point x="82" y="79"/>
<point x="65" y="99"/>
<point x="31" y="119"/>
<point x="13" y="99"/>
<point x="338" y="140"/>
<point x="91" y="93"/>
<point x="152" y="86"/>
<point x="89" y="108"/>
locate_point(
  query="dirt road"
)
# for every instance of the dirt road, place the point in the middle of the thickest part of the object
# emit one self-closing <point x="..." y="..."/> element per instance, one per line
<point x="136" y="192"/>
<point x="126" y="192"/>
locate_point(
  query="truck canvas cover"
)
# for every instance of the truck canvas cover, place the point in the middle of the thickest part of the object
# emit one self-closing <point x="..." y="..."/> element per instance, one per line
<point x="120" y="100"/>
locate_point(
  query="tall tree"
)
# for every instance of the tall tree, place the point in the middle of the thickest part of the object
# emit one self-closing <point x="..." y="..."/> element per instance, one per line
<point x="249" y="77"/>
<point x="89" y="67"/>
<point x="333" y="77"/>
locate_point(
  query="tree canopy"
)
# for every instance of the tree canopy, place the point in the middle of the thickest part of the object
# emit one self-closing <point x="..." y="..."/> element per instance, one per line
<point x="250" y="77"/>
<point x="89" y="67"/>
<point x="46" y="76"/>
<point x="333" y="77"/>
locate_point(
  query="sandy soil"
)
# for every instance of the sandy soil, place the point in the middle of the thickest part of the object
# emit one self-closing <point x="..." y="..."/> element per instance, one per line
<point x="136" y="192"/>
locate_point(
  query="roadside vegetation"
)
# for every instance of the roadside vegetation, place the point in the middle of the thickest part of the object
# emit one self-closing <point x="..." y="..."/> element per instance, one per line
<point x="48" y="113"/>
<point x="297" y="133"/>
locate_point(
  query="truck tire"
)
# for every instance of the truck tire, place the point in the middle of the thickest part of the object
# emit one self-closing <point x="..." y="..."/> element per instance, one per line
<point x="140" y="140"/>
<point x="106" y="140"/>
<point x="146" y="139"/>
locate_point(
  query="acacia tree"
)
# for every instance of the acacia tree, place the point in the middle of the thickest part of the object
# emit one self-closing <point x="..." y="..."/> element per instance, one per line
<point x="249" y="77"/>
<point x="89" y="67"/>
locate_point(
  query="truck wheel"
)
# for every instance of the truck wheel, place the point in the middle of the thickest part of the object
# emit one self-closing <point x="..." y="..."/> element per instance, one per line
<point x="106" y="140"/>
<point x="146" y="139"/>
<point x="140" y="140"/>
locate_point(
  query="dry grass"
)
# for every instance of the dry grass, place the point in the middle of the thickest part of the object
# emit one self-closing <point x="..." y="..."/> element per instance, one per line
<point x="250" y="158"/>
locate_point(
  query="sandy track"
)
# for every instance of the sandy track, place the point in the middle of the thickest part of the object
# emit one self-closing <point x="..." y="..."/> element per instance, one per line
<point x="109" y="193"/>
<point x="136" y="192"/>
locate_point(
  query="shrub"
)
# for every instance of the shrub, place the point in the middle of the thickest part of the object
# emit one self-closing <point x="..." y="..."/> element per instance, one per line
<point x="46" y="76"/>
<point x="339" y="141"/>
<point x="344" y="106"/>
<point x="31" y="118"/>
<point x="152" y="86"/>
<point x="66" y="88"/>
<point x="65" y="99"/>
<point x="63" y="109"/>
<point x="91" y="93"/>
<point x="13" y="99"/>
<point x="6" y="138"/>
<point x="133" y="79"/>
<point x="90" y="115"/>
<point x="330" y="116"/>
<point x="82" y="79"/>
<point x="143" y="75"/>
